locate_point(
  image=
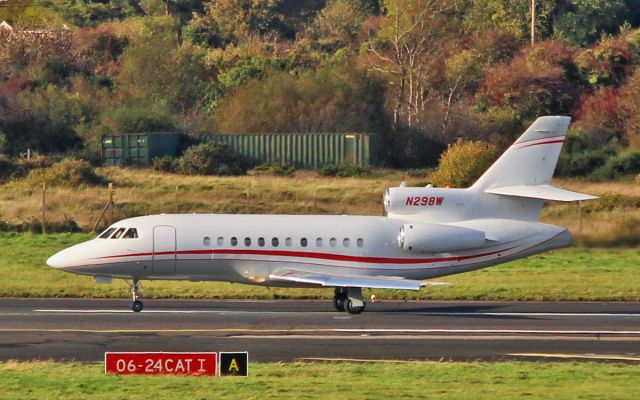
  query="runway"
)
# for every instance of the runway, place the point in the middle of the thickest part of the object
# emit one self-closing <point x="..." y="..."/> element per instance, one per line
<point x="284" y="330"/>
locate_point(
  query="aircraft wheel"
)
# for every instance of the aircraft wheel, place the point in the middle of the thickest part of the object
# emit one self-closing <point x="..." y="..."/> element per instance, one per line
<point x="137" y="306"/>
<point x="351" y="309"/>
<point x="338" y="302"/>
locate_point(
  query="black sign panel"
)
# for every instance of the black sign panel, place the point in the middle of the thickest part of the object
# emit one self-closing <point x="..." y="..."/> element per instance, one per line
<point x="234" y="364"/>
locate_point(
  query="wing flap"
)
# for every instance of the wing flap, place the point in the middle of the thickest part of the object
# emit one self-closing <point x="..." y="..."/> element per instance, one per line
<point x="332" y="280"/>
<point x="543" y="192"/>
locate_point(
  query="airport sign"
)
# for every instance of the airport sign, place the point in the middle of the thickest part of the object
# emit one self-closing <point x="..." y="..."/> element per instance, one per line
<point x="161" y="363"/>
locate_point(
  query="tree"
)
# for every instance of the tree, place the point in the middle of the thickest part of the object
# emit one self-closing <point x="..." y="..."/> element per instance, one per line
<point x="463" y="162"/>
<point x="511" y="17"/>
<point x="329" y="100"/>
<point x="540" y="80"/>
<point x="403" y="48"/>
<point x="583" y="22"/>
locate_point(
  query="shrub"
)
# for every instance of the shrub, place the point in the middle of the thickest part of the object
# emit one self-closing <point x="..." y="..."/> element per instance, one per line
<point x="165" y="164"/>
<point x="582" y="164"/>
<point x="463" y="162"/>
<point x="9" y="170"/>
<point x="343" y="171"/>
<point x="619" y="166"/>
<point x="276" y="169"/>
<point x="37" y="161"/>
<point x="211" y="159"/>
<point x="68" y="172"/>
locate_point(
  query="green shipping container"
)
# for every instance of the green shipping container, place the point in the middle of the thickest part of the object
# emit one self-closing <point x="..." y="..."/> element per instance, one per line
<point x="138" y="148"/>
<point x="310" y="150"/>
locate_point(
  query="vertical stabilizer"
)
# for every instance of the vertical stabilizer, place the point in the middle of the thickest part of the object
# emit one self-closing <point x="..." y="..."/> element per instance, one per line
<point x="532" y="159"/>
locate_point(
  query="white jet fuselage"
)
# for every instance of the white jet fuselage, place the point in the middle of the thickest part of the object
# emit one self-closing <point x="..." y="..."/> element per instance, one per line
<point x="200" y="247"/>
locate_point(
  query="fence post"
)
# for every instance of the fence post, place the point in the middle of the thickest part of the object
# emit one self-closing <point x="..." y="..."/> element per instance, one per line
<point x="44" y="203"/>
<point x="111" y="204"/>
<point x="177" y="195"/>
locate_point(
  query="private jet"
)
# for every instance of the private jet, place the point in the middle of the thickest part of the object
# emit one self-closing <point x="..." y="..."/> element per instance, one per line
<point x="427" y="232"/>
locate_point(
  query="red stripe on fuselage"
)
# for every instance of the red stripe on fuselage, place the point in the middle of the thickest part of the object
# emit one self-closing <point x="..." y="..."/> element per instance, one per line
<point x="319" y="256"/>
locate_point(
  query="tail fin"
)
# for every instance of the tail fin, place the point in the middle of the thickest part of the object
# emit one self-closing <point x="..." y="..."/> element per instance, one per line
<point x="531" y="160"/>
<point x="525" y="170"/>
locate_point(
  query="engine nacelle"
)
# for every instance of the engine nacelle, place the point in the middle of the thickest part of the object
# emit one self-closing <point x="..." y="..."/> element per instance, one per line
<point x="438" y="238"/>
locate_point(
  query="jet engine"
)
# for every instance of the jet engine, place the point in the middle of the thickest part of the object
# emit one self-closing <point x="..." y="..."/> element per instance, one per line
<point x="438" y="238"/>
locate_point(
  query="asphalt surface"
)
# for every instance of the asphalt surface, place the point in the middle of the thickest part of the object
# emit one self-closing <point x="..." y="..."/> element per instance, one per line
<point x="82" y="329"/>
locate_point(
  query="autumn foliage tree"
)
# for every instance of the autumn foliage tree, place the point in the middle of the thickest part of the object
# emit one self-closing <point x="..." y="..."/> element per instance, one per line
<point x="463" y="162"/>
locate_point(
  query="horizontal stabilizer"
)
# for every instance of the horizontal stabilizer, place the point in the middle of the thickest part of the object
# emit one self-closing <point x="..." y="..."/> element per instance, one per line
<point x="543" y="192"/>
<point x="333" y="280"/>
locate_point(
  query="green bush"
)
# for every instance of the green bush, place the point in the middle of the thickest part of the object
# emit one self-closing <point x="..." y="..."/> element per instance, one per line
<point x="9" y="170"/>
<point x="276" y="169"/>
<point x="165" y="164"/>
<point x="619" y="166"/>
<point x="211" y="159"/>
<point x="34" y="225"/>
<point x="583" y="163"/>
<point x="68" y="172"/>
<point x="463" y="162"/>
<point x="343" y="170"/>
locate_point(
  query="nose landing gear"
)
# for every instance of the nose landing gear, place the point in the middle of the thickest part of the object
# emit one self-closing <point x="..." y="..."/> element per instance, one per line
<point x="137" y="305"/>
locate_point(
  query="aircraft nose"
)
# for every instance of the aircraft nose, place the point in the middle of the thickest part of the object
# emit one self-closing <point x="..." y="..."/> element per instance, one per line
<point x="58" y="260"/>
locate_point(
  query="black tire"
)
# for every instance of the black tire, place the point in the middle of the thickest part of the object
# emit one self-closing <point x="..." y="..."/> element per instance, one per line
<point x="137" y="306"/>
<point x="338" y="303"/>
<point x="351" y="309"/>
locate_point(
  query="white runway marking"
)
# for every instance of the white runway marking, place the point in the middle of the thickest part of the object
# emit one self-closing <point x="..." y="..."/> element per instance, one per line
<point x="491" y="331"/>
<point x="525" y="314"/>
<point x="128" y="311"/>
<point x="435" y="314"/>
<point x="578" y="356"/>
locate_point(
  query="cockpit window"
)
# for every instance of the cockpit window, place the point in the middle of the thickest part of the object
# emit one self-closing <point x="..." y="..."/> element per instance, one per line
<point x="107" y="233"/>
<point x="118" y="233"/>
<point x="132" y="233"/>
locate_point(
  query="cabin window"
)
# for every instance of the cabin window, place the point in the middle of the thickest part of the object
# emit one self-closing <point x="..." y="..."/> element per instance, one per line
<point x="107" y="233"/>
<point x="360" y="242"/>
<point x="303" y="242"/>
<point x="261" y="242"/>
<point x="288" y="242"/>
<point x="206" y="241"/>
<point x="275" y="242"/>
<point x="247" y="241"/>
<point x="346" y="242"/>
<point x="319" y="242"/>
<point x="234" y="241"/>
<point x="118" y="233"/>
<point x="132" y="233"/>
<point x="220" y="241"/>
<point x="333" y="242"/>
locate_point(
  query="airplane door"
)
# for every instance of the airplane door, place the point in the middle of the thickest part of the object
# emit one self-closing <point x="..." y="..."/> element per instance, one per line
<point x="164" y="249"/>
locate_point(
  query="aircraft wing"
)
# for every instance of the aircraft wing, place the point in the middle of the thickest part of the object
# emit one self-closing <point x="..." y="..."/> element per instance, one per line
<point x="334" y="280"/>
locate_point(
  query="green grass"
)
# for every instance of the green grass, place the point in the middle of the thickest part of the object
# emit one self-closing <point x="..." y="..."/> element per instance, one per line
<point x="430" y="380"/>
<point x="570" y="274"/>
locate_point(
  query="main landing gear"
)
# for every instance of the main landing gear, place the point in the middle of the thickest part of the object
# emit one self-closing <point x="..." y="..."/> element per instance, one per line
<point x="349" y="300"/>
<point x="137" y="305"/>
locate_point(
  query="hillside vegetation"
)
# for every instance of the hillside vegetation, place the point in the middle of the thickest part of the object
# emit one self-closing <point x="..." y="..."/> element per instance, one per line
<point x="420" y="73"/>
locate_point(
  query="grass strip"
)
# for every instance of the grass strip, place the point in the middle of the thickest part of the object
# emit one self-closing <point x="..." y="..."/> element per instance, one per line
<point x="427" y="380"/>
<point x="571" y="274"/>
